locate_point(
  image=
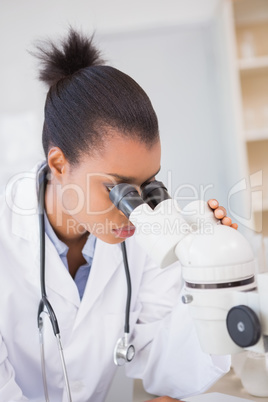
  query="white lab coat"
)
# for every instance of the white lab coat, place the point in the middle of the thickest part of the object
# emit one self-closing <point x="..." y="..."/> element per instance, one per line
<point x="168" y="355"/>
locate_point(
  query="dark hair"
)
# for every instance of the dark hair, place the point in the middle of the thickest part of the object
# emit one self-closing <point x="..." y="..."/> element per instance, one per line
<point x="86" y="98"/>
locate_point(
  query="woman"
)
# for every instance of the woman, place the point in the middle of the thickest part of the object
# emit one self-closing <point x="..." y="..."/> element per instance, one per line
<point x="99" y="130"/>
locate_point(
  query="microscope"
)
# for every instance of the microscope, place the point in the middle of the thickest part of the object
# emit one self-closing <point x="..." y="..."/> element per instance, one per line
<point x="227" y="300"/>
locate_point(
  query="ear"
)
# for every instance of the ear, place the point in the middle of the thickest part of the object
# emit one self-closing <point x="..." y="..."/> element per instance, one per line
<point x="57" y="162"/>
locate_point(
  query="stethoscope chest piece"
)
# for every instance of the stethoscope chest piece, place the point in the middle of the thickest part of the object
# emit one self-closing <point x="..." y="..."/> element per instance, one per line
<point x="123" y="352"/>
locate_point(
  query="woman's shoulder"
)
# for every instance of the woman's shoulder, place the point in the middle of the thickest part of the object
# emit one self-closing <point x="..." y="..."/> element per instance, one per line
<point x="18" y="203"/>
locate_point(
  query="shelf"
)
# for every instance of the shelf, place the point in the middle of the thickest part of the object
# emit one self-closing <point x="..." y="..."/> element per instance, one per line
<point x="251" y="42"/>
<point x="250" y="11"/>
<point x="258" y="174"/>
<point x="252" y="64"/>
<point x="257" y="135"/>
<point x="254" y="91"/>
<point x="261" y="207"/>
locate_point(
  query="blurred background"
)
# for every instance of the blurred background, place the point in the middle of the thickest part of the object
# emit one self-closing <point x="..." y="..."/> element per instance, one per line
<point x="204" y="64"/>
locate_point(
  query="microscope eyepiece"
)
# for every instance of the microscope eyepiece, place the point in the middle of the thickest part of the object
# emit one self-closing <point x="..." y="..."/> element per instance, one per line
<point x="125" y="197"/>
<point x="153" y="193"/>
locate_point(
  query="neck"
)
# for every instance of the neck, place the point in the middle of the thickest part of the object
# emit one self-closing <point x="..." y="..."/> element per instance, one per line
<point x="64" y="225"/>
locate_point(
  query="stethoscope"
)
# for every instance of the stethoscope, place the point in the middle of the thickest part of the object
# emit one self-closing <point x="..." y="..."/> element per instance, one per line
<point x="123" y="352"/>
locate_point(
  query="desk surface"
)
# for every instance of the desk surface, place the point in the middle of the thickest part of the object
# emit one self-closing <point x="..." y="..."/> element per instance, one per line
<point x="229" y="384"/>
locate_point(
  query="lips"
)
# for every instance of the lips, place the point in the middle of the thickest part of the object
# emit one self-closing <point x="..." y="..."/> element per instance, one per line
<point x="124" y="232"/>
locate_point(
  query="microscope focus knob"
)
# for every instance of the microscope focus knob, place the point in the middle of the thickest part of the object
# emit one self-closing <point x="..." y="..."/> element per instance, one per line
<point x="243" y="326"/>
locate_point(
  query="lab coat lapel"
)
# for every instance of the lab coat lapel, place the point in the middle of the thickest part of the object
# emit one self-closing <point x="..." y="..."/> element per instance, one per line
<point x="107" y="259"/>
<point x="57" y="276"/>
<point x="25" y="224"/>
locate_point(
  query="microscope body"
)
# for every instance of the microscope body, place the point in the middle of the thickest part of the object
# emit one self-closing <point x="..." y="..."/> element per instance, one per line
<point x="227" y="300"/>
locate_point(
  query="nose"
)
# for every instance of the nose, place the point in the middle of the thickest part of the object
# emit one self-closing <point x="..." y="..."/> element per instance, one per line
<point x="122" y="214"/>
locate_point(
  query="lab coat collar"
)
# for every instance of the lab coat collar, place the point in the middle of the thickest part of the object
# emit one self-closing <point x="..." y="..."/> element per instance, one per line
<point x="106" y="261"/>
<point x="58" y="278"/>
<point x="107" y="258"/>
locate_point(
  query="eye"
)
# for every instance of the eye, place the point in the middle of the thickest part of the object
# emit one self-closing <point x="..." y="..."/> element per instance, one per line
<point x="109" y="187"/>
<point x="147" y="182"/>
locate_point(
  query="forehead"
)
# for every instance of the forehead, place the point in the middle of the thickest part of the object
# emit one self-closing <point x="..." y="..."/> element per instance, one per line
<point x="127" y="157"/>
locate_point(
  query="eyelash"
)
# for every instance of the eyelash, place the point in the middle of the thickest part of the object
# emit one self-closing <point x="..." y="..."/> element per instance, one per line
<point x="109" y="187"/>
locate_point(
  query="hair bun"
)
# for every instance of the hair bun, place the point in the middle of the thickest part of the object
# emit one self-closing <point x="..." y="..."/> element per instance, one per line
<point x="60" y="61"/>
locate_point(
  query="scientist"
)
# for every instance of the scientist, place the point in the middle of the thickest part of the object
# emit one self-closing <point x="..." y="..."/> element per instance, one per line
<point x="99" y="129"/>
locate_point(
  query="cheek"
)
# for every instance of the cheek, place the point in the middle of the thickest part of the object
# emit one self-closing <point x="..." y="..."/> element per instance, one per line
<point x="85" y="196"/>
<point x="101" y="217"/>
<point x="95" y="204"/>
<point x="72" y="198"/>
<point x="98" y="202"/>
<point x="90" y="205"/>
<point x="100" y="208"/>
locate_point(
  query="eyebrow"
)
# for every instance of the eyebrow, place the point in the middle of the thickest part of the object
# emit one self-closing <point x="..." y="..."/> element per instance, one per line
<point x="129" y="179"/>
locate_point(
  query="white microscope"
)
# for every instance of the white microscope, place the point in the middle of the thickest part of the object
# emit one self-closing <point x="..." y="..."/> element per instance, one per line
<point x="228" y="302"/>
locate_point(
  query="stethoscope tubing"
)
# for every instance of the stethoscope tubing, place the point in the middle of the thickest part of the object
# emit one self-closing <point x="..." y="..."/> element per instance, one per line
<point x="45" y="306"/>
<point x="129" y="289"/>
